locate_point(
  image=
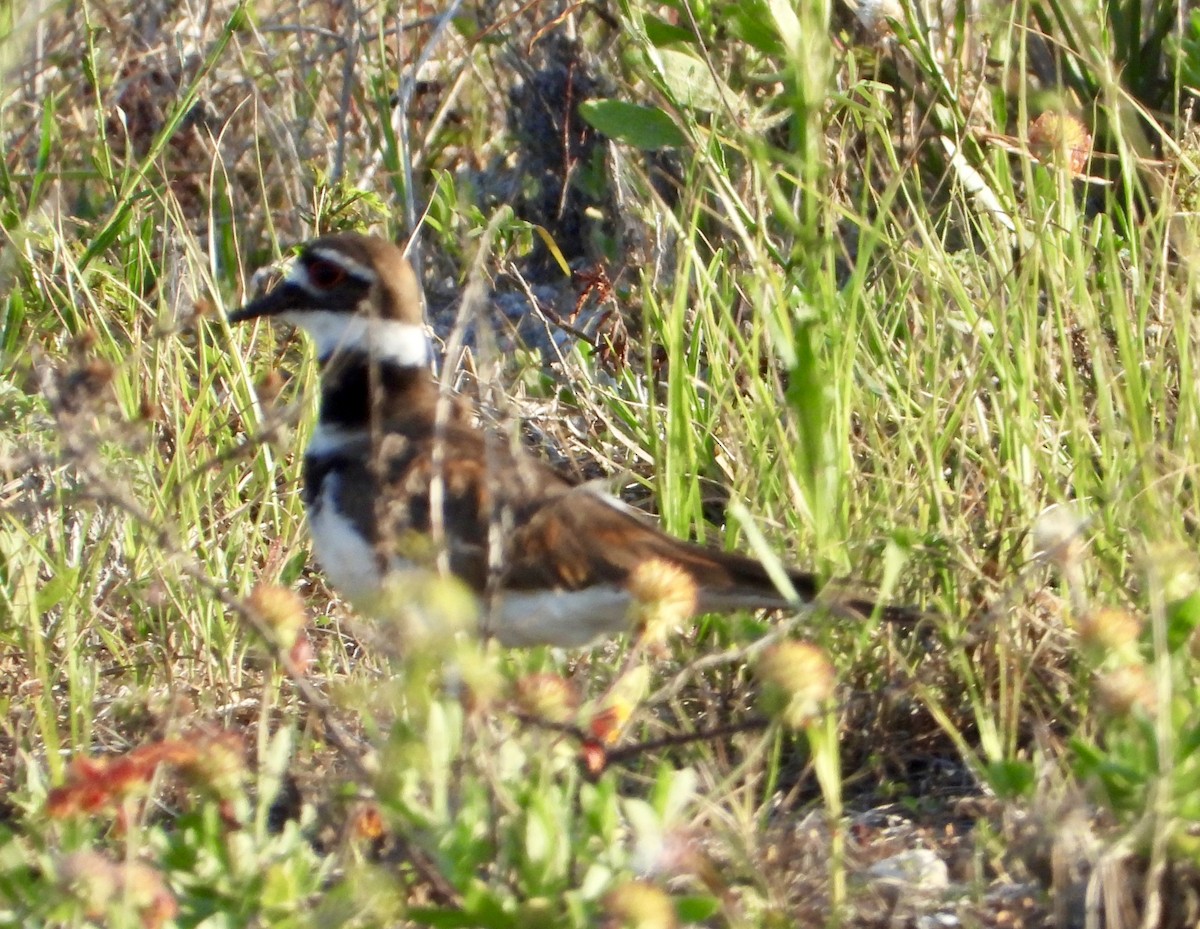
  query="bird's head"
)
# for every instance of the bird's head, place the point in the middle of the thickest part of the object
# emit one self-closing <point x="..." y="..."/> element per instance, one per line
<point x="350" y="292"/>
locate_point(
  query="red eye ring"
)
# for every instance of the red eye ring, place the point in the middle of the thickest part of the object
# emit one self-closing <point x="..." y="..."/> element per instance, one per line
<point x="324" y="273"/>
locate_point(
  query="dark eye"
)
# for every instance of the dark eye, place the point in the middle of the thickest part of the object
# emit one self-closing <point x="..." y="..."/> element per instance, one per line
<point x="325" y="274"/>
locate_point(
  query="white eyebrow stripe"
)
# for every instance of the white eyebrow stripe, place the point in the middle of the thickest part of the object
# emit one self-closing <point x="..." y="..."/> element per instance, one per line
<point x="298" y="274"/>
<point x="353" y="268"/>
<point x="404" y="344"/>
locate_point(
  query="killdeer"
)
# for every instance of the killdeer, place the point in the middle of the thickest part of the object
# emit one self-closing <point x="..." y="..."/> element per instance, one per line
<point x="391" y="477"/>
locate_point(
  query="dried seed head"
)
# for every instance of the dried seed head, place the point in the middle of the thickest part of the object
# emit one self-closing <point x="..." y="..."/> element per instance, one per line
<point x="100" y="884"/>
<point x="639" y="905"/>
<point x="797" y="679"/>
<point x="219" y="761"/>
<point x="547" y="696"/>
<point x="664" y="598"/>
<point x="281" y="610"/>
<point x="1108" y="629"/>
<point x="1126" y="690"/>
<point x="480" y="680"/>
<point x="89" y="877"/>
<point x="1058" y="138"/>
<point x="146" y="891"/>
<point x="1173" y="568"/>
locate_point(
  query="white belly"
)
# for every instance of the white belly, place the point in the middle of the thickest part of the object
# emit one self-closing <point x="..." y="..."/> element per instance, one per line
<point x="349" y="561"/>
<point x="568" y="619"/>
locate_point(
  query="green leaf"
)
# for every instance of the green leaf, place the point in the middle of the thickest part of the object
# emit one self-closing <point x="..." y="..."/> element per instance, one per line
<point x="481" y="909"/>
<point x="645" y="127"/>
<point x="751" y="22"/>
<point x="293" y="568"/>
<point x="62" y="585"/>
<point x="1010" y="778"/>
<point x="1183" y="616"/>
<point x="787" y="23"/>
<point x="696" y="909"/>
<point x="538" y="845"/>
<point x="674" y="792"/>
<point x="661" y="33"/>
<point x="444" y="918"/>
<point x="690" y="81"/>
<point x="1187" y="741"/>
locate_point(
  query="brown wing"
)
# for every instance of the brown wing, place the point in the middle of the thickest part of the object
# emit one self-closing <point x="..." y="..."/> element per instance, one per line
<point x="579" y="539"/>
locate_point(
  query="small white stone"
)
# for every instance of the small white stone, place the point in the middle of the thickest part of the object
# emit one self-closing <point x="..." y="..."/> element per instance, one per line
<point x="1058" y="535"/>
<point x="938" y="921"/>
<point x="874" y="14"/>
<point x="917" y="870"/>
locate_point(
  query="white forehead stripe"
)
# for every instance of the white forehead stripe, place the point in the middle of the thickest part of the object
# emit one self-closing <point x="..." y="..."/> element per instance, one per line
<point x="298" y="274"/>
<point x="405" y="344"/>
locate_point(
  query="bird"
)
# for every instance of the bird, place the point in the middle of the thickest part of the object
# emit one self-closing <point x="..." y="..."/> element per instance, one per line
<point x="394" y="480"/>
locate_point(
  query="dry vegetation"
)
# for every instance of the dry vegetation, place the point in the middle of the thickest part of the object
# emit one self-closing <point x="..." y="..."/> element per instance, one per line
<point x="898" y="291"/>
